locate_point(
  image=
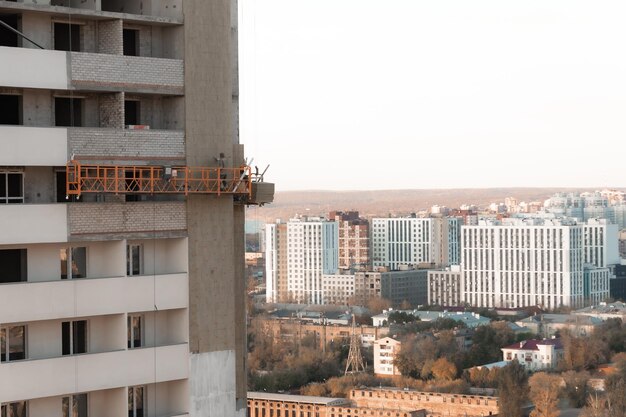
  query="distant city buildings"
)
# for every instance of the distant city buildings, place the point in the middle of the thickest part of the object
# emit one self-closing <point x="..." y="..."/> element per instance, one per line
<point x="444" y="287"/>
<point x="354" y="239"/>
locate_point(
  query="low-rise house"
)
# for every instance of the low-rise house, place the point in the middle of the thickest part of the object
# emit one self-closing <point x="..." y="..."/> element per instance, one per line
<point x="470" y="319"/>
<point x="534" y="354"/>
<point x="385" y="351"/>
<point x="605" y="311"/>
<point x="547" y="325"/>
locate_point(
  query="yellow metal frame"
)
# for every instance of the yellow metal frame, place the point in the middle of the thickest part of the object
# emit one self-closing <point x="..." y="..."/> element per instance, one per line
<point x="125" y="179"/>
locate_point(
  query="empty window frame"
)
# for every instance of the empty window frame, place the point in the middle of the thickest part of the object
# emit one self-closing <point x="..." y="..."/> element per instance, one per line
<point x="68" y="111"/>
<point x="8" y="37"/>
<point x="74" y="337"/>
<point x="75" y="406"/>
<point x="134" y="259"/>
<point x="13" y="265"/>
<point x="66" y="37"/>
<point x="132" y="112"/>
<point x="73" y="262"/>
<point x="15" y="409"/>
<point x="10" y="109"/>
<point x="135" y="324"/>
<point x="12" y="343"/>
<point x="131" y="42"/>
<point x="11" y="187"/>
<point x="136" y="401"/>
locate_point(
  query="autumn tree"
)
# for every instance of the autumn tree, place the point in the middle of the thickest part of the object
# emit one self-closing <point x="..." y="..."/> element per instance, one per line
<point x="596" y="407"/>
<point x="443" y="369"/>
<point x="513" y="389"/>
<point x="544" y="393"/>
<point x="576" y="387"/>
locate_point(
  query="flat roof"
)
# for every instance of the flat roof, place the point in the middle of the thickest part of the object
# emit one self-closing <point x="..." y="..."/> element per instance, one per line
<point x="307" y="399"/>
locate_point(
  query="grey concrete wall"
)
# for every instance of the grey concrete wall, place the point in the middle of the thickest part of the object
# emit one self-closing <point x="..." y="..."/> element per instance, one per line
<point x="172" y="39"/>
<point x="37" y="27"/>
<point x="37" y="108"/>
<point x="39" y="185"/>
<point x="112" y="144"/>
<point x="215" y="323"/>
<point x="130" y="73"/>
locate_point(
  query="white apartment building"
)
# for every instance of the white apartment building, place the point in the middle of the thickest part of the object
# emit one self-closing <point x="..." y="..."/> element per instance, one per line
<point x="276" y="262"/>
<point x="585" y="206"/>
<point x="385" y="351"/>
<point x="523" y="262"/>
<point x="406" y="241"/>
<point x="312" y="251"/>
<point x="115" y="301"/>
<point x="601" y="243"/>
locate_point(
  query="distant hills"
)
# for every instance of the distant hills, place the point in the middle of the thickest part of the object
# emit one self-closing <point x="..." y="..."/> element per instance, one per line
<point x="392" y="202"/>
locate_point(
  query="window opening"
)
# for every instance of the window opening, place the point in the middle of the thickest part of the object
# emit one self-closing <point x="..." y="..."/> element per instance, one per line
<point x="68" y="111"/>
<point x="135" y="331"/>
<point x="12" y="343"/>
<point x="14" y="409"/>
<point x="131" y="112"/>
<point x="73" y="262"/>
<point x="74" y="337"/>
<point x="136" y="401"/>
<point x="64" y="34"/>
<point x="11" y="187"/>
<point x="10" y="109"/>
<point x="131" y="42"/>
<point x="75" y="406"/>
<point x="13" y="264"/>
<point x="134" y="260"/>
<point x="7" y="36"/>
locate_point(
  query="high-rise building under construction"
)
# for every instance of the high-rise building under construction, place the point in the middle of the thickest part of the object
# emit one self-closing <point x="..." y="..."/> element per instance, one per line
<point x="122" y="195"/>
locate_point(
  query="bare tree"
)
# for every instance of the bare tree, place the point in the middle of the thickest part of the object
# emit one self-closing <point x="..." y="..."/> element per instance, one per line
<point x="544" y="393"/>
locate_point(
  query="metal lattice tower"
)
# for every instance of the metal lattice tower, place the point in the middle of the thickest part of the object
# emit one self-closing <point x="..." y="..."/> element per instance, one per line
<point x="355" y="359"/>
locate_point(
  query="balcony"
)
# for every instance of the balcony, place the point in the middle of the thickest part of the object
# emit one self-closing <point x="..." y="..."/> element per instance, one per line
<point x="32" y="301"/>
<point x="26" y="69"/>
<point x="93" y="221"/>
<point x="90" y="71"/>
<point x="92" y="372"/>
<point x="32" y="146"/>
<point x="33" y="223"/>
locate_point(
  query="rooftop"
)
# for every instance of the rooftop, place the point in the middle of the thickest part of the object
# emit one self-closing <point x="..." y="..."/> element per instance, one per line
<point x="534" y="344"/>
<point x="307" y="399"/>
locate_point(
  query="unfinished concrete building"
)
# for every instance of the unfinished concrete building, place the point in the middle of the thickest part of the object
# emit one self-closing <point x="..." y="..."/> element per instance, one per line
<point x="121" y="280"/>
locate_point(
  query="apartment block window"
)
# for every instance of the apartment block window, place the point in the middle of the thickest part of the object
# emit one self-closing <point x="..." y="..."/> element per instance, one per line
<point x="136" y="401"/>
<point x="11" y="187"/>
<point x="73" y="262"/>
<point x="8" y="37"/>
<point x="16" y="409"/>
<point x="68" y="111"/>
<point x="131" y="42"/>
<point x="66" y="37"/>
<point x="135" y="331"/>
<point x="134" y="260"/>
<point x="131" y="112"/>
<point x="13" y="265"/>
<point x="12" y="343"/>
<point x="74" y="337"/>
<point x="75" y="406"/>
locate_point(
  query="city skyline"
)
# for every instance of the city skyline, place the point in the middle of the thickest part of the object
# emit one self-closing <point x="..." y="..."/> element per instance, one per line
<point x="433" y="95"/>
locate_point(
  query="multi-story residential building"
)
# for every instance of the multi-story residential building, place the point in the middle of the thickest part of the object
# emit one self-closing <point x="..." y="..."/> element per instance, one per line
<point x="535" y="355"/>
<point x="385" y="351"/>
<point x="584" y="206"/>
<point x="622" y="244"/>
<point x="413" y="241"/>
<point x="338" y="288"/>
<point x="354" y="240"/>
<point x="298" y="253"/>
<point x="444" y="287"/>
<point x="276" y="262"/>
<point x="596" y="284"/>
<point x="114" y="301"/>
<point x="523" y="262"/>
<point x="601" y="243"/>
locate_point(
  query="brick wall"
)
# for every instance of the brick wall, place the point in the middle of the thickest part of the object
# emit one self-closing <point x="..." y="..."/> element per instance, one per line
<point x="104" y="144"/>
<point x="110" y="40"/>
<point x="435" y="404"/>
<point x="159" y="75"/>
<point x="95" y="218"/>
<point x="112" y="110"/>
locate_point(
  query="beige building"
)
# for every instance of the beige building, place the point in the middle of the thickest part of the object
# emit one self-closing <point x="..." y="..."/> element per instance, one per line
<point x="385" y="351"/>
<point x="116" y="301"/>
<point x="354" y="239"/>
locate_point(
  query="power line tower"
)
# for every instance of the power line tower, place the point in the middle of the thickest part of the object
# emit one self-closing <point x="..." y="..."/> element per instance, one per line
<point x="355" y="359"/>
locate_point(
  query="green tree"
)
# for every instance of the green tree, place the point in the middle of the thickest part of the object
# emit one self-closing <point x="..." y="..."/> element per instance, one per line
<point x="512" y="389"/>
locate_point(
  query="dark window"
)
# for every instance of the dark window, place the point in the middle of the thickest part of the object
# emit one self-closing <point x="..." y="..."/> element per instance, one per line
<point x="7" y="36"/>
<point x="135" y="401"/>
<point x="134" y="332"/>
<point x="76" y="259"/>
<point x="68" y="111"/>
<point x="131" y="112"/>
<point x="10" y="109"/>
<point x="131" y="42"/>
<point x="13" y="265"/>
<point x="74" y="337"/>
<point x="66" y="36"/>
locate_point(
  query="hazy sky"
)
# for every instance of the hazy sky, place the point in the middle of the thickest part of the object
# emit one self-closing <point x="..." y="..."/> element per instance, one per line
<point x="391" y="94"/>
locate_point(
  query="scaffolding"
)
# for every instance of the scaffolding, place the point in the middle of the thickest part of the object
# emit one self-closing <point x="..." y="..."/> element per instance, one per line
<point x="128" y="179"/>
